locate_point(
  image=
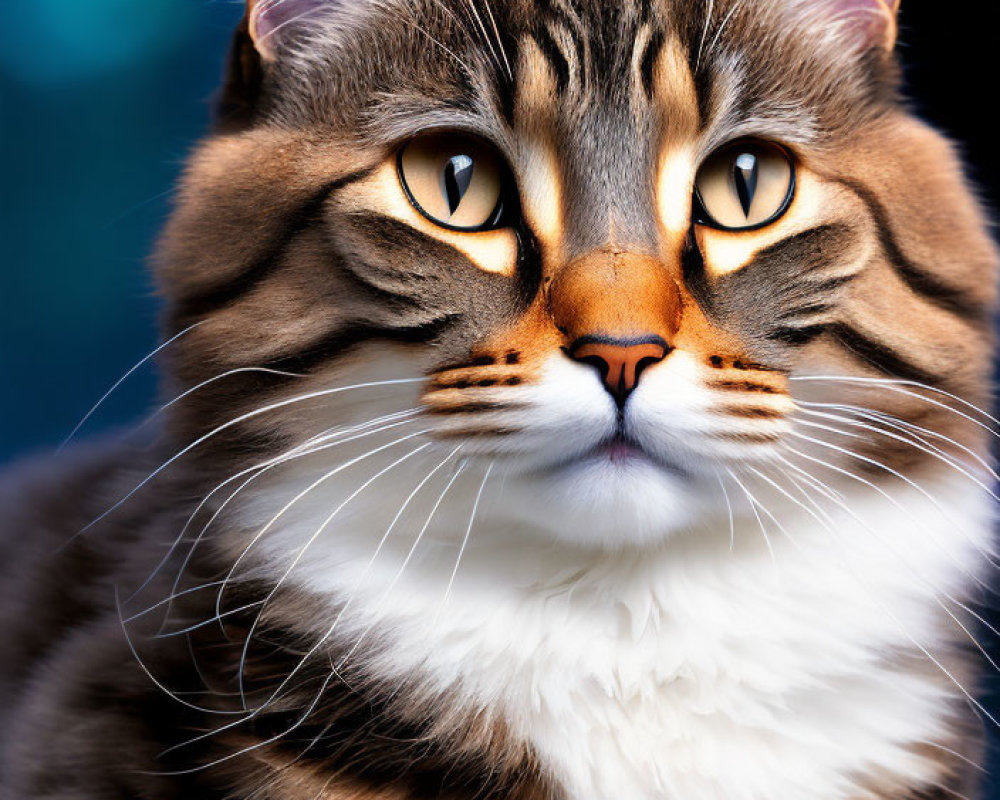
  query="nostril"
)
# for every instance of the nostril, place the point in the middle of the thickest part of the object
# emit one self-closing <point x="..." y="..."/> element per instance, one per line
<point x="602" y="366"/>
<point x="620" y="362"/>
<point x="644" y="364"/>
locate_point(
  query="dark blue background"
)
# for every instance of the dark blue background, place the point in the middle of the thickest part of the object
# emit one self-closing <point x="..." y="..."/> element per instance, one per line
<point x="100" y="101"/>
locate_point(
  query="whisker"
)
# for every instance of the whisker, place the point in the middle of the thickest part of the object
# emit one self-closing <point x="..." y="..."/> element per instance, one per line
<point x="385" y="538"/>
<point x="908" y="481"/>
<point x="194" y="389"/>
<point x="465" y="539"/>
<point x="149" y="674"/>
<point x="704" y="34"/>
<point x="903" y="425"/>
<point x="315" y="648"/>
<point x="406" y="562"/>
<point x="233" y="422"/>
<point x="897" y="505"/>
<point x="302" y="551"/>
<point x="723" y="25"/>
<point x="729" y="508"/>
<point x="976" y="705"/>
<point x="931" y="450"/>
<point x="956" y="754"/>
<point x="251" y="748"/>
<point x="204" y="623"/>
<point x="318" y="482"/>
<point x="498" y="38"/>
<point x="934" y="590"/>
<point x="754" y="503"/>
<point x="122" y="380"/>
<point x="312" y="446"/>
<point x="894" y="385"/>
<point x="471" y="5"/>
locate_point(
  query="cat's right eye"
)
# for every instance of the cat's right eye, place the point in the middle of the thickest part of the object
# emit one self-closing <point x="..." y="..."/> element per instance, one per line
<point x="744" y="186"/>
<point x="456" y="181"/>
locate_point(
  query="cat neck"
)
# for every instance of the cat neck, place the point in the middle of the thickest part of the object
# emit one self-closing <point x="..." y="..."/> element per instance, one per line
<point x="752" y="647"/>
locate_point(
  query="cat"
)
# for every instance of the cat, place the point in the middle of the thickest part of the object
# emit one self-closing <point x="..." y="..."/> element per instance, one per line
<point x="562" y="400"/>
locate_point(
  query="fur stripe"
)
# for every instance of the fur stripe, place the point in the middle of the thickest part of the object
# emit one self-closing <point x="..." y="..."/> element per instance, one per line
<point x="300" y="220"/>
<point x="879" y="355"/>
<point x="648" y="61"/>
<point x="929" y="287"/>
<point x="553" y="54"/>
<point x="341" y="341"/>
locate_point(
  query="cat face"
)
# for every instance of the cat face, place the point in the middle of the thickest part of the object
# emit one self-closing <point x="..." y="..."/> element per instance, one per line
<point x="605" y="248"/>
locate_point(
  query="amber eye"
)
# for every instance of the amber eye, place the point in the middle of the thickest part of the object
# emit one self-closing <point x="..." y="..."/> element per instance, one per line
<point x="745" y="185"/>
<point x="456" y="181"/>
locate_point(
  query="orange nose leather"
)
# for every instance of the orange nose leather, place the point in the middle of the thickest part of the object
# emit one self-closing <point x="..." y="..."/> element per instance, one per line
<point x="620" y="361"/>
<point x="619" y="312"/>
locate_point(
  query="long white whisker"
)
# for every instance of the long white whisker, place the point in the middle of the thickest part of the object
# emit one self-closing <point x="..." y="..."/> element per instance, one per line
<point x="302" y="551"/>
<point x="895" y="503"/>
<point x="122" y="380"/>
<point x="904" y="426"/>
<point x="311" y="487"/>
<point x="249" y="749"/>
<point x="204" y="623"/>
<point x="933" y="589"/>
<point x="732" y="519"/>
<point x="312" y="446"/>
<point x="465" y="539"/>
<point x="385" y="538"/>
<point x="315" y="648"/>
<point x="894" y="386"/>
<point x="239" y="371"/>
<point x="233" y="422"/>
<point x="149" y="674"/>
<point x="754" y="504"/>
<point x="704" y="34"/>
<point x="929" y="449"/>
<point x="895" y="619"/>
<point x="908" y="481"/>
<point x="499" y="39"/>
<point x="406" y="562"/>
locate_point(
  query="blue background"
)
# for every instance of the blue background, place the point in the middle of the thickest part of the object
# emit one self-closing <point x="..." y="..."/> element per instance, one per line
<point x="101" y="100"/>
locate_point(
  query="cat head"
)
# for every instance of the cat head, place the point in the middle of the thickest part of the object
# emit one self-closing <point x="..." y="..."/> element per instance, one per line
<point x="607" y="250"/>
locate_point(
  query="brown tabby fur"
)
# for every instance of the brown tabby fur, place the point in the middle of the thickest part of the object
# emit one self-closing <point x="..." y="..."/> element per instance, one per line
<point x="279" y="257"/>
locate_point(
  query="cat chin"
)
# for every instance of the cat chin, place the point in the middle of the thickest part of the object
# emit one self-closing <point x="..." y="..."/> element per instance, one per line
<point x="603" y="503"/>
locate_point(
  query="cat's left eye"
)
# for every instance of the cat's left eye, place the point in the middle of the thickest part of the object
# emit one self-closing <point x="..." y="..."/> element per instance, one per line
<point x="456" y="181"/>
<point x="744" y="186"/>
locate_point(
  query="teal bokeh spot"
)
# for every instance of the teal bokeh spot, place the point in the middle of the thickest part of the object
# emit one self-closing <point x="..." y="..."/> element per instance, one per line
<point x="53" y="41"/>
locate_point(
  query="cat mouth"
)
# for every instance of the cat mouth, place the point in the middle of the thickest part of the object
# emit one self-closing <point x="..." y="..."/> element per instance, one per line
<point x="620" y="450"/>
<point x="623" y="452"/>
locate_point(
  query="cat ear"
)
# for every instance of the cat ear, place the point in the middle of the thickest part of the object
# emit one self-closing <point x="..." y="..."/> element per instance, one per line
<point x="271" y="19"/>
<point x="872" y="23"/>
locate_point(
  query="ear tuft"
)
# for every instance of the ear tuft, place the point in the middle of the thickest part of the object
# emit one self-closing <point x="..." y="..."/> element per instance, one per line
<point x="269" y="19"/>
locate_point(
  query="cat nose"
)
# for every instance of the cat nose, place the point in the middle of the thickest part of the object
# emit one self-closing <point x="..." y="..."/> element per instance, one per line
<point x="619" y="311"/>
<point x="620" y="361"/>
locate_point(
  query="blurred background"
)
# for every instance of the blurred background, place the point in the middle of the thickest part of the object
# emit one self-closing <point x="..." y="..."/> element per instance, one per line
<point x="100" y="101"/>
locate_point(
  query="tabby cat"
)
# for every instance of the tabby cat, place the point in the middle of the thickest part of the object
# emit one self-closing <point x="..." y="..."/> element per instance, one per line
<point x="563" y="400"/>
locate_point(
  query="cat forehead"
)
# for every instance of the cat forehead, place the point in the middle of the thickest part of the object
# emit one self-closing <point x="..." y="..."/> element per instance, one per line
<point x="455" y="56"/>
<point x="386" y="69"/>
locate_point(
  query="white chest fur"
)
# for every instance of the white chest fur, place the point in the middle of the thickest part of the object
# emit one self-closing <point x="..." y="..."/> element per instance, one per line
<point x="699" y="672"/>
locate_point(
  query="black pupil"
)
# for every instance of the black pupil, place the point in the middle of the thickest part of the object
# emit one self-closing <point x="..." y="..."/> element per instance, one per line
<point x="457" y="179"/>
<point x="746" y="170"/>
